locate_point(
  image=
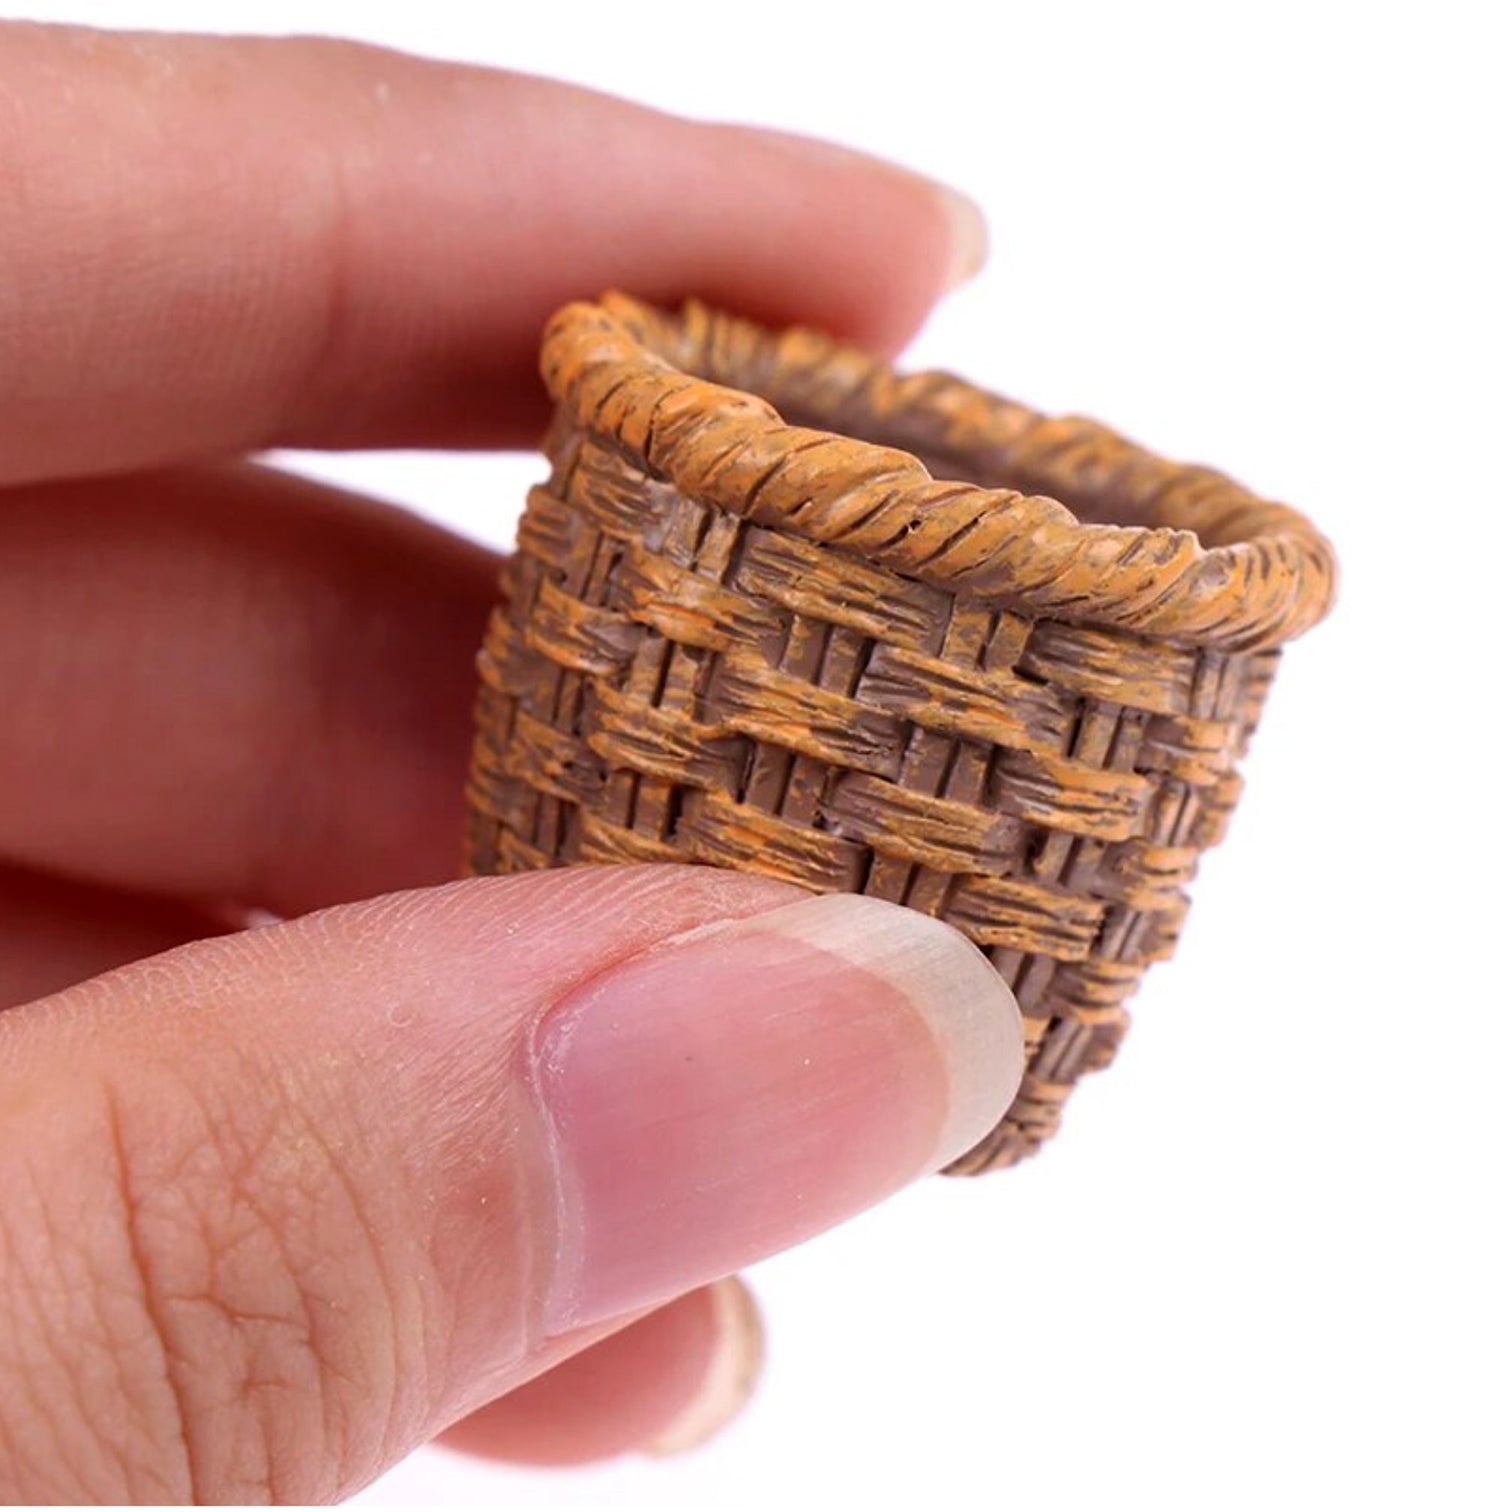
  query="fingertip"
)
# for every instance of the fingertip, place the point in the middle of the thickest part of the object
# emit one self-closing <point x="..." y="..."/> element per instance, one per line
<point x="661" y="1386"/>
<point x="962" y="220"/>
<point x="968" y="236"/>
<point x="729" y="1377"/>
<point x="747" y="1085"/>
<point x="876" y="245"/>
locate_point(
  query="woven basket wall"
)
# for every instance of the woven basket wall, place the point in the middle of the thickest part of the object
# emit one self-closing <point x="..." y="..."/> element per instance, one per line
<point x="745" y="626"/>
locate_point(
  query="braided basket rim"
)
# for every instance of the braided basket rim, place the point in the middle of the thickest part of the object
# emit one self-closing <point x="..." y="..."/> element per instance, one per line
<point x="1216" y="566"/>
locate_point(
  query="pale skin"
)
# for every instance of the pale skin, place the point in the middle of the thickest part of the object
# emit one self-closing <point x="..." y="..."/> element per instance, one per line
<point x="225" y="690"/>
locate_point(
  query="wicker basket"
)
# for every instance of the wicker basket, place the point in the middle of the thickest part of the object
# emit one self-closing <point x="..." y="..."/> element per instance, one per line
<point x="734" y="635"/>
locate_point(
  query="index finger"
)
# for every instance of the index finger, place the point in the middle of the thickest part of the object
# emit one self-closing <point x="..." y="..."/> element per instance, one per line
<point x="215" y="245"/>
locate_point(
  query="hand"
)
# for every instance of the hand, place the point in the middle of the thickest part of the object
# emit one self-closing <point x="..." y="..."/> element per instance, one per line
<point x="281" y="1204"/>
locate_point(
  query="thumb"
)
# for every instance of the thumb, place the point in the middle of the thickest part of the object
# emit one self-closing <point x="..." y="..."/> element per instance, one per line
<point x="278" y="1207"/>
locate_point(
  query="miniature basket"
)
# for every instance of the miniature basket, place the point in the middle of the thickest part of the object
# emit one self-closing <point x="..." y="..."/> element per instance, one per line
<point x="734" y="634"/>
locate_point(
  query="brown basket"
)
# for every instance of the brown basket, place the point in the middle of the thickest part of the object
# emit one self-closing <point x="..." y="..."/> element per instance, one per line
<point x="735" y="640"/>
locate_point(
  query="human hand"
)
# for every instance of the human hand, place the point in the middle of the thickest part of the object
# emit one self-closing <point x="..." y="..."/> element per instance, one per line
<point x="281" y="1204"/>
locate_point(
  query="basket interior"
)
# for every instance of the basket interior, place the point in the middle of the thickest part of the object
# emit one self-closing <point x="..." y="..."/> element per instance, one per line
<point x="911" y="431"/>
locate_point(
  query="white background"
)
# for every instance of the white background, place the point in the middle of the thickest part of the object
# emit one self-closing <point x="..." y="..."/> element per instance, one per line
<point x="1258" y="1268"/>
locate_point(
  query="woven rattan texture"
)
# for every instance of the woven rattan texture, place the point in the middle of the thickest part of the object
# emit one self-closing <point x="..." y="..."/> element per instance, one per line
<point x="707" y="654"/>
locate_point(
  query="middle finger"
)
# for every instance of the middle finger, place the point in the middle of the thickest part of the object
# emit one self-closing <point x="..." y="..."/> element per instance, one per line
<point x="54" y="934"/>
<point x="228" y="682"/>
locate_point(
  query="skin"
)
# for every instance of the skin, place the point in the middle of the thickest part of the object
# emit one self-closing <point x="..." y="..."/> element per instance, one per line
<point x="212" y="247"/>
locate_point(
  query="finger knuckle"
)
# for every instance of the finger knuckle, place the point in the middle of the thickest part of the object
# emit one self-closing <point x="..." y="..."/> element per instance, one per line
<point x="211" y="1267"/>
<point x="249" y="1240"/>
